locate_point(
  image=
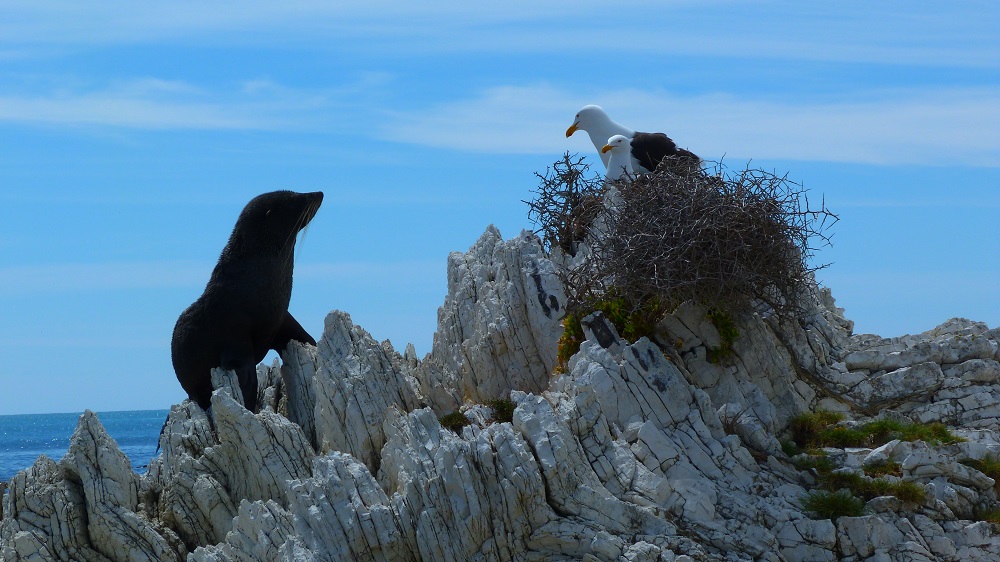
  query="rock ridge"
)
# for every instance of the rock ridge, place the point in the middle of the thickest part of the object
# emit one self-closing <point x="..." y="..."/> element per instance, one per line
<point x="652" y="450"/>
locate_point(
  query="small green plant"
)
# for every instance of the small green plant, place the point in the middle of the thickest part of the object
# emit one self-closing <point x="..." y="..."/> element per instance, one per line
<point x="833" y="505"/>
<point x="632" y="321"/>
<point x="883" y="468"/>
<point x="850" y="480"/>
<point x="805" y="428"/>
<point x="569" y="342"/>
<point x="818" y="462"/>
<point x="728" y="333"/>
<point x="503" y="410"/>
<point x="988" y="465"/>
<point x="789" y="447"/>
<point x="989" y="515"/>
<point x="868" y="488"/>
<point x="842" y="437"/>
<point x="454" y="421"/>
<point x="820" y="429"/>
<point x="884" y="430"/>
<point x="909" y="492"/>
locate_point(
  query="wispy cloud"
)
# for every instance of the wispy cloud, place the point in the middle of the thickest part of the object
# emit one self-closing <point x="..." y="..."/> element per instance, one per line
<point x="902" y="127"/>
<point x="921" y="32"/>
<point x="150" y="103"/>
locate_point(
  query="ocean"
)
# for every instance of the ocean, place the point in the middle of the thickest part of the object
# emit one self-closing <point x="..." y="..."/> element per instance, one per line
<point x="23" y="438"/>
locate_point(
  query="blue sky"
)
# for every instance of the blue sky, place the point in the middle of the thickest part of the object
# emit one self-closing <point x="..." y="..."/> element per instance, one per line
<point x="131" y="136"/>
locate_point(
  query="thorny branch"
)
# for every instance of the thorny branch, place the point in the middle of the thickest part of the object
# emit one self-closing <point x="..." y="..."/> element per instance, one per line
<point x="729" y="240"/>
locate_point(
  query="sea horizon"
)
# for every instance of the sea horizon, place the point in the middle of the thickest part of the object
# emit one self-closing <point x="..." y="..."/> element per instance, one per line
<point x="25" y="437"/>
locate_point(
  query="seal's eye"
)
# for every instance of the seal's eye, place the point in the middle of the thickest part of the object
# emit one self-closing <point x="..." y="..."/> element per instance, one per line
<point x="268" y="213"/>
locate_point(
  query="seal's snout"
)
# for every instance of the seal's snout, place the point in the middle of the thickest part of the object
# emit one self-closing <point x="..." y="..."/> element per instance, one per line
<point x="313" y="202"/>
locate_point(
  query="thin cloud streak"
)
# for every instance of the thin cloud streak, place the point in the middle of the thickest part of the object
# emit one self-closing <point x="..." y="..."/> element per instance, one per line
<point x="921" y="32"/>
<point x="130" y="113"/>
<point x="154" y="104"/>
<point x="943" y="127"/>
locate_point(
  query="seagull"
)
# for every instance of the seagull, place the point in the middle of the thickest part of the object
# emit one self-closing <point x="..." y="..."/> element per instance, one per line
<point x="619" y="151"/>
<point x="648" y="149"/>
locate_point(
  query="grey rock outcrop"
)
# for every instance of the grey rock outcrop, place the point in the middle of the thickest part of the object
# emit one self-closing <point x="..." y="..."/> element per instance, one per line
<point x="662" y="449"/>
<point x="498" y="326"/>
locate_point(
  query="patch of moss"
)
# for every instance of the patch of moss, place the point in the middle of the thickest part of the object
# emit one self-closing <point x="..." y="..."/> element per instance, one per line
<point x="454" y="421"/>
<point x="910" y="492"/>
<point x="868" y="488"/>
<point x="819" y="429"/>
<point x="989" y="515"/>
<point x="728" y="333"/>
<point x="805" y="428"/>
<point x="503" y="410"/>
<point x="988" y="465"/>
<point x="632" y="321"/>
<point x="569" y="342"/>
<point x="818" y="462"/>
<point x="883" y="468"/>
<point x="833" y="505"/>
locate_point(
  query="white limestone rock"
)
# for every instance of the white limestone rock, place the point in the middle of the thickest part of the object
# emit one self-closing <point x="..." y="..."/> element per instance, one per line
<point x="342" y="514"/>
<point x="625" y="456"/>
<point x="205" y="472"/>
<point x="498" y="327"/>
<point x="871" y="535"/>
<point x="357" y="384"/>
<point x="906" y="383"/>
<point x="257" y="454"/>
<point x="45" y="517"/>
<point x="184" y="494"/>
<point x="259" y="531"/>
<point x="84" y="508"/>
<point x="111" y="496"/>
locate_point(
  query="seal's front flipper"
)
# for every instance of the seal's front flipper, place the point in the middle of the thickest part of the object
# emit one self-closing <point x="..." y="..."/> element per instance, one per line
<point x="246" y="373"/>
<point x="290" y="330"/>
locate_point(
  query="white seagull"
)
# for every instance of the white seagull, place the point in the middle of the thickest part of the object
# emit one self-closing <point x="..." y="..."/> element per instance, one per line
<point x="619" y="151"/>
<point x="648" y="149"/>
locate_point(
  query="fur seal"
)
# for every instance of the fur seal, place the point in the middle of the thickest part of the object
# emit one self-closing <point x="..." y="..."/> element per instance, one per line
<point x="244" y="310"/>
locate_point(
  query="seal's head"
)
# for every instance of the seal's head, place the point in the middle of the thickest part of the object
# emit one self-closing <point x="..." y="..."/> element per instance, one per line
<point x="270" y="222"/>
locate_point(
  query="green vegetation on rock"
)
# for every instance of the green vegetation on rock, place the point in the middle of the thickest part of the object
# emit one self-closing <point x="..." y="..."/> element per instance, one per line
<point x="833" y="505"/>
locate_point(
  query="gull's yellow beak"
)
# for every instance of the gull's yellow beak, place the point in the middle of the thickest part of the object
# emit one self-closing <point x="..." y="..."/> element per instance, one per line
<point x="606" y="148"/>
<point x="572" y="129"/>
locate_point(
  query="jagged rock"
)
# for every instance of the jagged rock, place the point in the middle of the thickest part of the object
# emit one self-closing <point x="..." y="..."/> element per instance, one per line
<point x="905" y="383"/>
<point x="259" y="531"/>
<point x="871" y="535"/>
<point x="205" y="470"/>
<point x="358" y="382"/>
<point x="45" y="517"/>
<point x="639" y="451"/>
<point x="498" y="327"/>
<point x="188" y="497"/>
<point x="85" y="508"/>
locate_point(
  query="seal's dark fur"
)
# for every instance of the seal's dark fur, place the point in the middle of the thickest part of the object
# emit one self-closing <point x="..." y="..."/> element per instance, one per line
<point x="244" y="310"/>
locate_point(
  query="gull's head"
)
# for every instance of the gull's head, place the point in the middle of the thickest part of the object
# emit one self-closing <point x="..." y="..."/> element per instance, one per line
<point x="585" y="118"/>
<point x="617" y="144"/>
